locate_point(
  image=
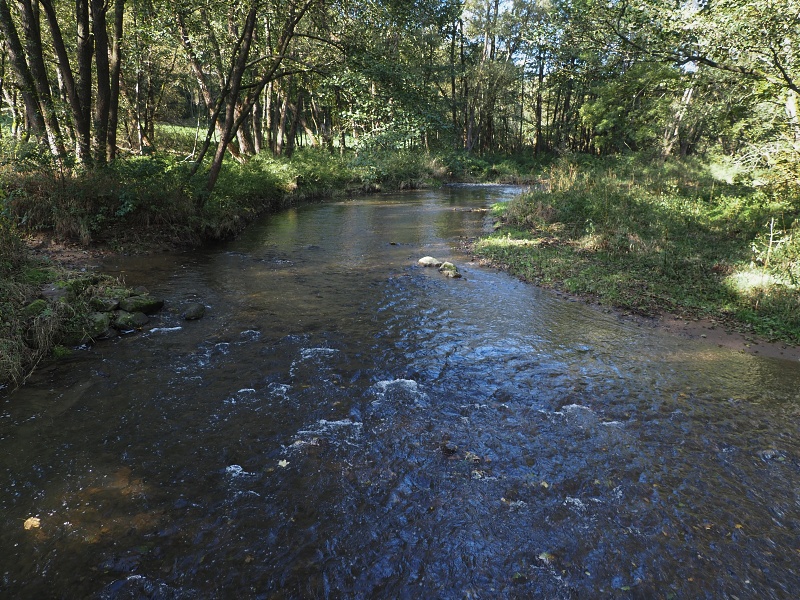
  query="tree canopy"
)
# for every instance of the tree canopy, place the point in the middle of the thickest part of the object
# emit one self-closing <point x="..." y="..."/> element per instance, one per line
<point x="92" y="79"/>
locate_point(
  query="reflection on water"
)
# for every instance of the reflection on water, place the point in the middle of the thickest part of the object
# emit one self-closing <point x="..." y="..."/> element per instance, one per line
<point x="344" y="423"/>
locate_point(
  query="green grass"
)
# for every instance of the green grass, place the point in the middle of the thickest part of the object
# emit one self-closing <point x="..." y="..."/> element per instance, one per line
<point x="653" y="239"/>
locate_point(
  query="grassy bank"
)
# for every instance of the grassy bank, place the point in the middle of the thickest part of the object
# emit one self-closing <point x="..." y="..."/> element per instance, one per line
<point x="43" y="307"/>
<point x="687" y="238"/>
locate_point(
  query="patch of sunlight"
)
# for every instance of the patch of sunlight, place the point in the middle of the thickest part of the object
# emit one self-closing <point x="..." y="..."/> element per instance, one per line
<point x="725" y="170"/>
<point x="591" y="242"/>
<point x="753" y="281"/>
<point x="508" y="242"/>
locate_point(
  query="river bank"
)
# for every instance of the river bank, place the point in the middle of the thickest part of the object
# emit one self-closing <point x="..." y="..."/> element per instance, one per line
<point x="659" y="243"/>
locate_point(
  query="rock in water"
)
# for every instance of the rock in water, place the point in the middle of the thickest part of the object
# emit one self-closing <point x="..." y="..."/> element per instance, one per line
<point x="194" y="311"/>
<point x="448" y="269"/>
<point x="129" y="321"/>
<point x="429" y="261"/>
<point x="145" y="304"/>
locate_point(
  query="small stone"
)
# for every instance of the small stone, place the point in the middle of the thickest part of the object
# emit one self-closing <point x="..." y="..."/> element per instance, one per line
<point x="429" y="261"/>
<point x="194" y="311"/>
<point x="449" y="447"/>
<point x="448" y="269"/>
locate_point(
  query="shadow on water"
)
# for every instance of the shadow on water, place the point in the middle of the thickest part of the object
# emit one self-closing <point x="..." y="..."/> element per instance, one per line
<point x="344" y="423"/>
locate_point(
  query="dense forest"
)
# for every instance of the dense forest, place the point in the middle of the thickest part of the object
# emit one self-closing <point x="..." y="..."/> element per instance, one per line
<point x="94" y="80"/>
<point x="664" y="137"/>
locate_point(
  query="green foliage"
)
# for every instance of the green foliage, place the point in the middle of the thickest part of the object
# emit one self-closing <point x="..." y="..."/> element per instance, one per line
<point x="648" y="238"/>
<point x="12" y="252"/>
<point x="521" y="167"/>
<point x="132" y="194"/>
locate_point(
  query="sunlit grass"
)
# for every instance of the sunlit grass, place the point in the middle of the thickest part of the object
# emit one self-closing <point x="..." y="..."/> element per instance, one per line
<point x="651" y="240"/>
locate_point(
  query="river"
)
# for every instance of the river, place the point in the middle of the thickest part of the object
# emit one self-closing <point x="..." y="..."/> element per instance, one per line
<point x="346" y="424"/>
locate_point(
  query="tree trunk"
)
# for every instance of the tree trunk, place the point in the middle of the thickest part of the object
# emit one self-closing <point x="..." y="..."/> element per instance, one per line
<point x="27" y="86"/>
<point x="235" y="84"/>
<point x="83" y="87"/>
<point x="29" y="19"/>
<point x="116" y="66"/>
<point x="539" y="143"/>
<point x="292" y="138"/>
<point x="102" y="105"/>
<point x="280" y="137"/>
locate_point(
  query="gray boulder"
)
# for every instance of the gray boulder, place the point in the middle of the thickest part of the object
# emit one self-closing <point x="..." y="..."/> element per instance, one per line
<point x="194" y="311"/>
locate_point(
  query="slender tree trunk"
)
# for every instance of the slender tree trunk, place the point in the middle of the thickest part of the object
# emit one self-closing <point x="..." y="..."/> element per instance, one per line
<point x="29" y="19"/>
<point x="298" y="111"/>
<point x="258" y="126"/>
<point x="268" y="117"/>
<point x="116" y="66"/>
<point x="102" y="105"/>
<point x="539" y="143"/>
<point x="453" y="102"/>
<point x="235" y="84"/>
<point x="27" y="86"/>
<point x="673" y="129"/>
<point x="280" y="137"/>
<point x="83" y="87"/>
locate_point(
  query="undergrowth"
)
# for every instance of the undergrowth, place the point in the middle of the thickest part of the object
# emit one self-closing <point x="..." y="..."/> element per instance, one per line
<point x="651" y="238"/>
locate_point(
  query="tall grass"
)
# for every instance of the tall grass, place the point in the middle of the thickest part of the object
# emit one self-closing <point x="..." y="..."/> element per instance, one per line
<point x="654" y="238"/>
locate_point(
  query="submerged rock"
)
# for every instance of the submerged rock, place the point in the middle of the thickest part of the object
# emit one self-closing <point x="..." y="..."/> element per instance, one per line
<point x="449" y="448"/>
<point x="429" y="261"/>
<point x="448" y="269"/>
<point x="194" y="311"/>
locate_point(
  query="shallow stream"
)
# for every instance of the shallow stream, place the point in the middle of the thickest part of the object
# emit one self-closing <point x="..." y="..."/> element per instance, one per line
<point x="346" y="424"/>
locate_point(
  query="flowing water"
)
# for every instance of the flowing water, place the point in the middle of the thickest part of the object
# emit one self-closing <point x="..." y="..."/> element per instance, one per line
<point x="346" y="424"/>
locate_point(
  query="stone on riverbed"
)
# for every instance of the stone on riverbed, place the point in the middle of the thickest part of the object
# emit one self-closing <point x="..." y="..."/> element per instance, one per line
<point x="448" y="269"/>
<point x="144" y="304"/>
<point x="194" y="311"/>
<point x="429" y="261"/>
<point x="103" y="304"/>
<point x="97" y="324"/>
<point x="129" y="321"/>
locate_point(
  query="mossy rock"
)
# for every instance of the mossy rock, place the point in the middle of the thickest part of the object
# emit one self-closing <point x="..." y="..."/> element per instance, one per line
<point x="129" y="321"/>
<point x="97" y="323"/>
<point x="448" y="269"/>
<point x="104" y="304"/>
<point x="429" y="261"/>
<point x="34" y="309"/>
<point x="144" y="304"/>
